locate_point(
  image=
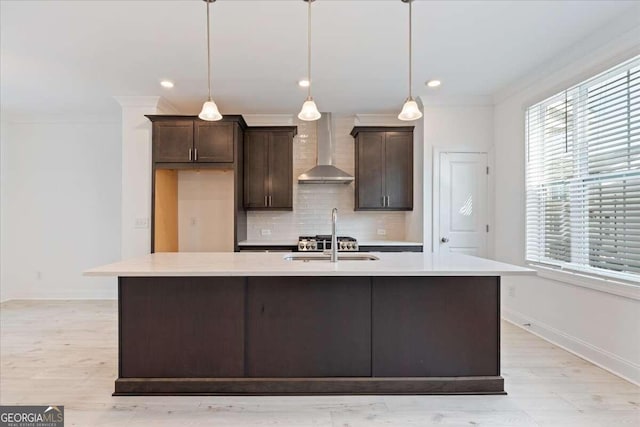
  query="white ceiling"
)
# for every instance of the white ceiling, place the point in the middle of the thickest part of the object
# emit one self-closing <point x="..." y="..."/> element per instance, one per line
<point x="74" y="56"/>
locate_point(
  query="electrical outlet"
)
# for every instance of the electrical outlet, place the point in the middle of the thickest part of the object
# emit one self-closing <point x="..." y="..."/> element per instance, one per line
<point x="382" y="232"/>
<point x="193" y="221"/>
<point x="39" y="275"/>
<point x="142" y="222"/>
<point x="265" y="232"/>
<point x="512" y="291"/>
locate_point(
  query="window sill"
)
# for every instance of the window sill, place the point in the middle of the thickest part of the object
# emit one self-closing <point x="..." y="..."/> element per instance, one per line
<point x="611" y="286"/>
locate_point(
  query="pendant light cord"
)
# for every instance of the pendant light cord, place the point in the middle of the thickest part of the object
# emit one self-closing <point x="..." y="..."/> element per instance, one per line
<point x="208" y="52"/>
<point x="410" y="50"/>
<point x="309" y="48"/>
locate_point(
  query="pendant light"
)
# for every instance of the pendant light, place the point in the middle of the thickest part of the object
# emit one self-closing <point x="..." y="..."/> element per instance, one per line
<point x="309" y="110"/>
<point x="410" y="110"/>
<point x="209" y="111"/>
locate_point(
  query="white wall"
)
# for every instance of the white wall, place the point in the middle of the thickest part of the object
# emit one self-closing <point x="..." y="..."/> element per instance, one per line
<point x="60" y="206"/>
<point x="136" y="171"/>
<point x="467" y="127"/>
<point x="602" y="327"/>
<point x="4" y="241"/>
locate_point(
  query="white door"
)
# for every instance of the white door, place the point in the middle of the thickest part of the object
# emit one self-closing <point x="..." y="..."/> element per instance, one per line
<point x="463" y="225"/>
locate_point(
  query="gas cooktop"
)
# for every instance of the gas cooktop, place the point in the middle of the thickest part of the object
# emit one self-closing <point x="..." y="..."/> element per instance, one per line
<point x="322" y="242"/>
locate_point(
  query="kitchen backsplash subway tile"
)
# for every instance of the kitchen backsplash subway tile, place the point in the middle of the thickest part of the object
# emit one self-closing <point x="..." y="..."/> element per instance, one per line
<point x="312" y="203"/>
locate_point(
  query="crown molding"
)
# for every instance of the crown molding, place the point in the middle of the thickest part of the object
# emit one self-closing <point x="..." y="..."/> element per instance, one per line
<point x="61" y="118"/>
<point x="138" y="101"/>
<point x="166" y="107"/>
<point x="269" y="119"/>
<point x="378" y="120"/>
<point x="455" y="100"/>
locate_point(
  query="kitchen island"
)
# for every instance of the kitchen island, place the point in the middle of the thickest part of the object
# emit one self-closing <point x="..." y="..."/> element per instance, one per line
<point x="257" y="323"/>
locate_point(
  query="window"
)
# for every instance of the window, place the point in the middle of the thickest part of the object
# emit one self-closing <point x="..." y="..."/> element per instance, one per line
<point x="583" y="176"/>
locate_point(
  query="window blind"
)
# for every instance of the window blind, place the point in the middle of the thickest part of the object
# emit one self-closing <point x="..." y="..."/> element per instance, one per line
<point x="583" y="176"/>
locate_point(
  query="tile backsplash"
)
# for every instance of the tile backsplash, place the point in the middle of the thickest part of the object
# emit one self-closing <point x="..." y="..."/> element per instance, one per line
<point x="312" y="203"/>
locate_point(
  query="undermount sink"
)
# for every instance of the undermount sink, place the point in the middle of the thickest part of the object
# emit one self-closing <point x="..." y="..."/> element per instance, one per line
<point x="327" y="257"/>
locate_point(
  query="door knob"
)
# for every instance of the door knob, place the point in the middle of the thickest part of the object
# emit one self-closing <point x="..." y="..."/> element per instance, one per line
<point x="444" y="240"/>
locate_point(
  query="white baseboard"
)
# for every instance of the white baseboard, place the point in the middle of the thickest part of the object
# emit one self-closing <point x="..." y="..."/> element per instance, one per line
<point x="63" y="296"/>
<point x="599" y="357"/>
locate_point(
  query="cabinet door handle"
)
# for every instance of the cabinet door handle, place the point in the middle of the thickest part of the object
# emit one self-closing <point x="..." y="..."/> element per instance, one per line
<point x="383" y="200"/>
<point x="387" y="200"/>
<point x="266" y="201"/>
<point x="195" y="154"/>
<point x="190" y="154"/>
<point x="269" y="201"/>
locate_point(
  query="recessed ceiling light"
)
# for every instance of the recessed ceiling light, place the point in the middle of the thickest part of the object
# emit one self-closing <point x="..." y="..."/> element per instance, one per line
<point x="304" y="83"/>
<point x="434" y="83"/>
<point x="166" y="83"/>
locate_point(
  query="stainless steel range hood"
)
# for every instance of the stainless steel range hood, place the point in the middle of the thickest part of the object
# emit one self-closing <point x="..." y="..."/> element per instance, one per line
<point x="325" y="172"/>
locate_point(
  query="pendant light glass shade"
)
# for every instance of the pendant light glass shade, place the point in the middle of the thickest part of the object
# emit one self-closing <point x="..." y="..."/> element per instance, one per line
<point x="210" y="112"/>
<point x="309" y="111"/>
<point x="410" y="110"/>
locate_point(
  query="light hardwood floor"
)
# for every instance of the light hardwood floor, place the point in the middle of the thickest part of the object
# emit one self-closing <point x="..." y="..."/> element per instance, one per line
<point x="65" y="352"/>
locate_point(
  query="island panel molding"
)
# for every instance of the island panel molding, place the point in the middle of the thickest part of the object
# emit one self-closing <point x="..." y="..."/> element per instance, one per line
<point x="308" y="386"/>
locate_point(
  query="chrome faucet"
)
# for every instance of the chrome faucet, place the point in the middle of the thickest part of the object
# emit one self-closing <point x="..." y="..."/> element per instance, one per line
<point x="334" y="237"/>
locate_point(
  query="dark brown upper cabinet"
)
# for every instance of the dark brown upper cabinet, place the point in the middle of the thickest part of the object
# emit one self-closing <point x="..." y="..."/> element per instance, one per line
<point x="268" y="167"/>
<point x="191" y="140"/>
<point x="384" y="168"/>
<point x="173" y="141"/>
<point x="213" y="142"/>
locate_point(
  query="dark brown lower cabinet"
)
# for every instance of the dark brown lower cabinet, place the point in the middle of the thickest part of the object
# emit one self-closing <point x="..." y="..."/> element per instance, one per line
<point x="189" y="327"/>
<point x="448" y="327"/>
<point x="309" y="328"/>
<point x="309" y="335"/>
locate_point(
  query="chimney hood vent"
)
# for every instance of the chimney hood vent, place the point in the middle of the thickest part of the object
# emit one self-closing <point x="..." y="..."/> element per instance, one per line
<point x="325" y="172"/>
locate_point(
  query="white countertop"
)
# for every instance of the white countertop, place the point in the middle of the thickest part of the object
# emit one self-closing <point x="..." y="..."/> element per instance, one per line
<point x="274" y="264"/>
<point x="295" y="243"/>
